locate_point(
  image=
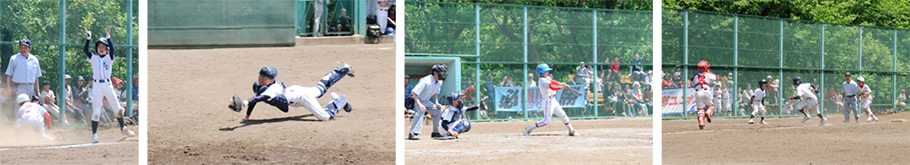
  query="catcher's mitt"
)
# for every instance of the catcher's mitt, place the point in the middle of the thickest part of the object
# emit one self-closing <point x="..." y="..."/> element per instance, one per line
<point x="236" y="103"/>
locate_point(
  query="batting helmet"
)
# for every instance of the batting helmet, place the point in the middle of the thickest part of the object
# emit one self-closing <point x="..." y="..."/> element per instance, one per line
<point x="441" y="69"/>
<point x="703" y="65"/>
<point x="861" y="79"/>
<point x="268" y="71"/>
<point x="22" y="98"/>
<point x="797" y="80"/>
<point x="762" y="82"/>
<point x="454" y="96"/>
<point x="101" y="41"/>
<point x="541" y="68"/>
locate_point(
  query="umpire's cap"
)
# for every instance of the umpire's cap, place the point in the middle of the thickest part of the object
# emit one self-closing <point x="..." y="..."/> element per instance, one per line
<point x="441" y="69"/>
<point x="25" y="42"/>
<point x="268" y="71"/>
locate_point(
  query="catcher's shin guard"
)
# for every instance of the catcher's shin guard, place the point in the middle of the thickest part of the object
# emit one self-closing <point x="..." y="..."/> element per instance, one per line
<point x="701" y="118"/>
<point x="330" y="79"/>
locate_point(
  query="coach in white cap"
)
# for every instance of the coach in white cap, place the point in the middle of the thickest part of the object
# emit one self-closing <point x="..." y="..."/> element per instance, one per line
<point x="23" y="70"/>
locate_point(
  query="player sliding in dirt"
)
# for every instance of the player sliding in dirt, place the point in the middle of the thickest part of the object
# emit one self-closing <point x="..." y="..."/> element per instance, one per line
<point x="273" y="92"/>
<point x="703" y="96"/>
<point x="32" y="118"/>
<point x="806" y="93"/>
<point x="454" y="122"/>
<point x="548" y="88"/>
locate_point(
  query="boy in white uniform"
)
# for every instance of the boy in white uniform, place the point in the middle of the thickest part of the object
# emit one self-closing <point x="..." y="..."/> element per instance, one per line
<point x="32" y="117"/>
<point x="865" y="98"/>
<point x="548" y="88"/>
<point x="274" y="93"/>
<point x="758" y="101"/>
<point x="102" y="64"/>
<point x="806" y="93"/>
<point x="703" y="95"/>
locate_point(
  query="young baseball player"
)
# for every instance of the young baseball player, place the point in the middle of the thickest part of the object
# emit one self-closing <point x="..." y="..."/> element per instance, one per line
<point x="548" y="88"/>
<point x="452" y="121"/>
<point x="806" y="94"/>
<point x="274" y="93"/>
<point x="32" y="118"/>
<point x="865" y="98"/>
<point x="428" y="88"/>
<point x="703" y="95"/>
<point x="102" y="61"/>
<point x="758" y="101"/>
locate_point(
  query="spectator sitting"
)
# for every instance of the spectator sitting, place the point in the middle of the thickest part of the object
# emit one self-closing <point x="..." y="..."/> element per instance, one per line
<point x="637" y="69"/>
<point x="343" y="21"/>
<point x="47" y="97"/>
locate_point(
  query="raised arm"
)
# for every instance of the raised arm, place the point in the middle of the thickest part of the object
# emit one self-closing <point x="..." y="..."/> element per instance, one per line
<point x="88" y="40"/>
<point x="110" y="44"/>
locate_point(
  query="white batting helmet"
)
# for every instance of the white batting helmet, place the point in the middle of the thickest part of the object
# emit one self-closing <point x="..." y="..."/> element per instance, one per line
<point x="861" y="79"/>
<point x="22" y="98"/>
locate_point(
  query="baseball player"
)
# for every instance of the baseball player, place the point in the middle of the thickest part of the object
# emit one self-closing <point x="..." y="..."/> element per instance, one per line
<point x="32" y="118"/>
<point x="703" y="95"/>
<point x="274" y="93"/>
<point x="758" y="101"/>
<point x="428" y="88"/>
<point x="850" y="89"/>
<point x="452" y="121"/>
<point x="806" y="94"/>
<point x="865" y="98"/>
<point x="548" y="88"/>
<point x="102" y="62"/>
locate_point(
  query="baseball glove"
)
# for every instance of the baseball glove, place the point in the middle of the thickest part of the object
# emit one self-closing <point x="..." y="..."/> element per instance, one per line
<point x="236" y="103"/>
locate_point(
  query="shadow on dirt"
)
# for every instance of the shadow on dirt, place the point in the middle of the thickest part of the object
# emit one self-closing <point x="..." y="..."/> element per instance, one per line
<point x="273" y="120"/>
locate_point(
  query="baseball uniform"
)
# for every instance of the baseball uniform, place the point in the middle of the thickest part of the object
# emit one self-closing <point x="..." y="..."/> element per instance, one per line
<point x="867" y="102"/>
<point x="850" y="90"/>
<point x="31" y="117"/>
<point x="279" y="96"/>
<point x="548" y="88"/>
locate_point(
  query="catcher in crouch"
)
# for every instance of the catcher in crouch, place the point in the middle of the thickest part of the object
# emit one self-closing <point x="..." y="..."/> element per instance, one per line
<point x="454" y="122"/>
<point x="273" y="92"/>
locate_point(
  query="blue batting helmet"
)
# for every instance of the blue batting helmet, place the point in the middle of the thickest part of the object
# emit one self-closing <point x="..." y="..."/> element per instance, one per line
<point x="541" y="68"/>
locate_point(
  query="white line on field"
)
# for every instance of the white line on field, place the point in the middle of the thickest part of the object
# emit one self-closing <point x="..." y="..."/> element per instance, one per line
<point x="59" y="147"/>
<point x="767" y="129"/>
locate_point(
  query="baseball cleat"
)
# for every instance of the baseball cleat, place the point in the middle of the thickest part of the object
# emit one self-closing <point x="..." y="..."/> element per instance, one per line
<point x="572" y="132"/>
<point x="128" y="132"/>
<point x="847" y="121"/>
<point x="751" y="122"/>
<point x="763" y="122"/>
<point x="805" y="118"/>
<point x="822" y="117"/>
<point x="342" y="65"/>
<point x="857" y="119"/>
<point x="708" y="118"/>
<point x="94" y="138"/>
<point x="236" y="103"/>
<point x="435" y="135"/>
<point x="527" y="131"/>
<point x="412" y="136"/>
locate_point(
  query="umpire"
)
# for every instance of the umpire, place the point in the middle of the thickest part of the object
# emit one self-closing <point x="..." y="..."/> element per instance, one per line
<point x="849" y="91"/>
<point x="23" y="70"/>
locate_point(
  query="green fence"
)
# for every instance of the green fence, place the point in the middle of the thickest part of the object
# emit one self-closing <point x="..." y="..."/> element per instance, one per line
<point x="58" y="43"/>
<point x="180" y="23"/>
<point x="341" y="17"/>
<point x="744" y="49"/>
<point x="496" y="41"/>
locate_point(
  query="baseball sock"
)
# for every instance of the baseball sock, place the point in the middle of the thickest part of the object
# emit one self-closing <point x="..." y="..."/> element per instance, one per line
<point x="120" y="120"/>
<point x="569" y="125"/>
<point x="753" y="116"/>
<point x="94" y="127"/>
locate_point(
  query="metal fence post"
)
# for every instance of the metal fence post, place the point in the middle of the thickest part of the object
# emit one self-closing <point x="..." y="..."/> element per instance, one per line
<point x="860" y="51"/>
<point x="685" y="62"/>
<point x="129" y="59"/>
<point x="735" y="61"/>
<point x="780" y="70"/>
<point x="822" y="54"/>
<point x="477" y="52"/>
<point x="62" y="70"/>
<point x="594" y="30"/>
<point x="894" y="71"/>
<point x="524" y="47"/>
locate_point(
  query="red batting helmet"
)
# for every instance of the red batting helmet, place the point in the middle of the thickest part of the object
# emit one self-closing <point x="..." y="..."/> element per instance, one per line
<point x="703" y="65"/>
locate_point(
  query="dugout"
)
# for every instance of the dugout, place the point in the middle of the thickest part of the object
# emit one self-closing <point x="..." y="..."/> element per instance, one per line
<point x="418" y="67"/>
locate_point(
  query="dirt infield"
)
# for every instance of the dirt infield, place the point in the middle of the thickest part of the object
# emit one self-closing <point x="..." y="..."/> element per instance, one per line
<point x="189" y="122"/>
<point x="607" y="141"/>
<point x="788" y="141"/>
<point x="73" y="147"/>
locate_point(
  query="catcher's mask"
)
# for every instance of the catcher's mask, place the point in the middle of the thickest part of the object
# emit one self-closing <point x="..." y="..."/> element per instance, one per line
<point x="703" y="65"/>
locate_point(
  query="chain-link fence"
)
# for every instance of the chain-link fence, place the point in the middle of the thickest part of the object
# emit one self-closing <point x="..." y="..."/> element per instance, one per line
<point x="501" y="45"/>
<point x="743" y="49"/>
<point x="58" y="44"/>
